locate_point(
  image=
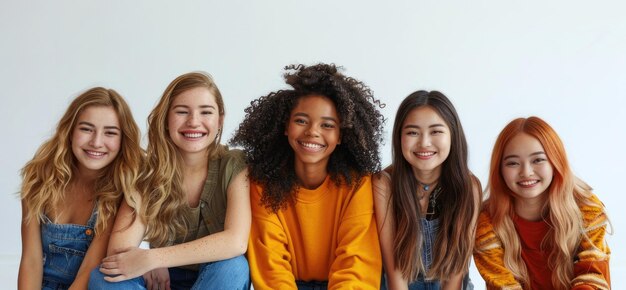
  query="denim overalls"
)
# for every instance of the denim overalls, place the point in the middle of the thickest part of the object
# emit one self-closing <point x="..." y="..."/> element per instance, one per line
<point x="64" y="247"/>
<point x="429" y="234"/>
<point x="429" y="231"/>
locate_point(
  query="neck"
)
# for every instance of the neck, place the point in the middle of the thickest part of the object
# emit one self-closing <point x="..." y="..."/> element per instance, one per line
<point x="310" y="176"/>
<point x="427" y="177"/>
<point x="195" y="161"/>
<point x="84" y="178"/>
<point x="530" y="209"/>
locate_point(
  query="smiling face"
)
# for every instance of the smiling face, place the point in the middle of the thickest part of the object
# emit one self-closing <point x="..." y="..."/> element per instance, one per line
<point x="193" y="121"/>
<point x="525" y="168"/>
<point x="313" y="130"/>
<point x="96" y="139"/>
<point x="425" y="141"/>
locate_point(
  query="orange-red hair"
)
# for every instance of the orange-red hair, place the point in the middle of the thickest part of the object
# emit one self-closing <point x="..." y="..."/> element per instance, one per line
<point x="566" y="194"/>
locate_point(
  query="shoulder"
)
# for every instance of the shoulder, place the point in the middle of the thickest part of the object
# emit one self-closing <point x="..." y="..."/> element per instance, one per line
<point x="593" y="212"/>
<point x="485" y="234"/>
<point x="231" y="159"/>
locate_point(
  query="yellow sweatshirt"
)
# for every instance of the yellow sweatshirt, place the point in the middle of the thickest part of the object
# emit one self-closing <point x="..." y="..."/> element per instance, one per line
<point x="329" y="234"/>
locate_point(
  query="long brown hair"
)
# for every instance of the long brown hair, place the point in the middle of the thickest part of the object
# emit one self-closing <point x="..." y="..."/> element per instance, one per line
<point x="161" y="181"/>
<point x="566" y="194"/>
<point x="455" y="237"/>
<point x="45" y="178"/>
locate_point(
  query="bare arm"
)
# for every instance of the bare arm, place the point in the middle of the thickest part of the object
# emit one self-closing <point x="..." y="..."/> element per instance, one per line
<point x="386" y="228"/>
<point x="133" y="262"/>
<point x="31" y="264"/>
<point x="126" y="231"/>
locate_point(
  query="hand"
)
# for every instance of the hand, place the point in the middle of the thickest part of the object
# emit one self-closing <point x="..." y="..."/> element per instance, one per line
<point x="157" y="279"/>
<point x="126" y="264"/>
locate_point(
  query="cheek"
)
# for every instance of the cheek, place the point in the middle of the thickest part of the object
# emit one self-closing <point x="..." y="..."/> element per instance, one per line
<point x="509" y="176"/>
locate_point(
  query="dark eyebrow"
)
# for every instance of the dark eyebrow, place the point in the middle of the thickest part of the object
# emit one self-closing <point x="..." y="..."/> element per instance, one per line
<point x="300" y="114"/>
<point x="187" y="107"/>
<point x="85" y="123"/>
<point x="418" y="127"/>
<point x="531" y="154"/>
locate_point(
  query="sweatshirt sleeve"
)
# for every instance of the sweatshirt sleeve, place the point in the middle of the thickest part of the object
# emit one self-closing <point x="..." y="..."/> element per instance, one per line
<point x="591" y="266"/>
<point x="268" y="256"/>
<point x="358" y="261"/>
<point x="489" y="257"/>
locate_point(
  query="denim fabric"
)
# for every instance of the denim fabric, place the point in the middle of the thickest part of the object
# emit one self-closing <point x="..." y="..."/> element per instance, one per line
<point x="429" y="234"/>
<point x="64" y="247"/>
<point x="226" y="274"/>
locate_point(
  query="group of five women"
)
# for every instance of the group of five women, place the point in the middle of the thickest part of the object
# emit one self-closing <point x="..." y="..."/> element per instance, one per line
<point x="305" y="204"/>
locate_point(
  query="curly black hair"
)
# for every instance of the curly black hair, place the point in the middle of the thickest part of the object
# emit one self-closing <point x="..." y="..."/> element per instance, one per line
<point x="271" y="158"/>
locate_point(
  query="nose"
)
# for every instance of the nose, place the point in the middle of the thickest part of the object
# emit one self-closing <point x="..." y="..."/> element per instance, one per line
<point x="96" y="140"/>
<point x="425" y="140"/>
<point x="193" y="120"/>
<point x="311" y="132"/>
<point x="526" y="170"/>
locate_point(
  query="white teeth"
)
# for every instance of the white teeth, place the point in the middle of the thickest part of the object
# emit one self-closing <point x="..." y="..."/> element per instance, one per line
<point x="528" y="182"/>
<point x="94" y="153"/>
<point x="311" y="145"/>
<point x="424" y="154"/>
<point x="193" y="135"/>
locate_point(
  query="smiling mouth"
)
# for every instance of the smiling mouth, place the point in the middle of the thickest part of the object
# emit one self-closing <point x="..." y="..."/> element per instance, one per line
<point x="311" y="146"/>
<point x="424" y="155"/>
<point x="94" y="154"/>
<point x="193" y="135"/>
<point x="528" y="183"/>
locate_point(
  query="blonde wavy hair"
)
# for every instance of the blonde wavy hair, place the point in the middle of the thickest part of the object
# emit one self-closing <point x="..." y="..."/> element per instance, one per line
<point x="566" y="194"/>
<point x="45" y="178"/>
<point x="160" y="184"/>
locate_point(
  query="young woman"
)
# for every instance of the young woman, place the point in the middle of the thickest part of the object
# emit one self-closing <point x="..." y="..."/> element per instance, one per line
<point x="311" y="150"/>
<point x="71" y="190"/>
<point x="427" y="201"/>
<point x="194" y="202"/>
<point x="541" y="227"/>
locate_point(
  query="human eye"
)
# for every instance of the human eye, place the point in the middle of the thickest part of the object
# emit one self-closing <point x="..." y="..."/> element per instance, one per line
<point x="539" y="160"/>
<point x="85" y="129"/>
<point x="207" y="112"/>
<point x="411" y="133"/>
<point x="299" y="121"/>
<point x="328" y="126"/>
<point x="511" y="163"/>
<point x="111" y="133"/>
<point x="181" y="112"/>
<point x="437" y="132"/>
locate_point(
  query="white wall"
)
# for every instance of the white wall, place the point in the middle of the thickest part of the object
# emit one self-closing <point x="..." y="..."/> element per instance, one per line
<point x="497" y="60"/>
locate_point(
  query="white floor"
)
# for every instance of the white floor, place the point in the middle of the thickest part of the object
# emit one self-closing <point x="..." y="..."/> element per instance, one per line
<point x="9" y="266"/>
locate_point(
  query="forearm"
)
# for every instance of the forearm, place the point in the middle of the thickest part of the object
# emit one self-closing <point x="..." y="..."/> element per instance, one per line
<point x="216" y="247"/>
<point x="30" y="275"/>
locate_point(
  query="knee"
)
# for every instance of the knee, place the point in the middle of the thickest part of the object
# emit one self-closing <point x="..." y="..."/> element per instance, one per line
<point x="234" y="271"/>
<point x="96" y="282"/>
<point x="96" y="279"/>
<point x="234" y="266"/>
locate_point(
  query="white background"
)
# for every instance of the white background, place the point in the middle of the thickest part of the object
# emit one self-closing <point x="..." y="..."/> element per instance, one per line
<point x="561" y="60"/>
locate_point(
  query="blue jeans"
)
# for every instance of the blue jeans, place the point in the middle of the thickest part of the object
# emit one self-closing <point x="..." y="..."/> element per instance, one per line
<point x="421" y="284"/>
<point x="226" y="274"/>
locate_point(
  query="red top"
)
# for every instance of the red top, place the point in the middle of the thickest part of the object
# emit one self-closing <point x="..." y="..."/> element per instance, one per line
<point x="531" y="235"/>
